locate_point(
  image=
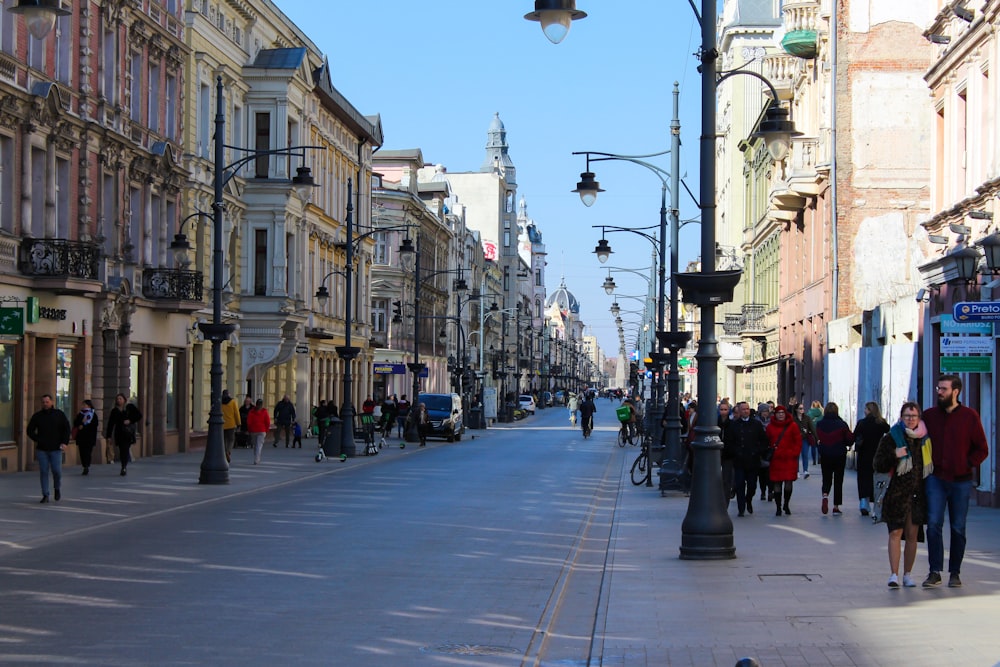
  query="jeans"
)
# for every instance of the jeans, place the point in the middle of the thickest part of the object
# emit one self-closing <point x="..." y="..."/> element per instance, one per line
<point x="956" y="496"/>
<point x="805" y="456"/>
<point x="833" y="475"/>
<point x="50" y="461"/>
<point x="258" y="445"/>
<point x="229" y="438"/>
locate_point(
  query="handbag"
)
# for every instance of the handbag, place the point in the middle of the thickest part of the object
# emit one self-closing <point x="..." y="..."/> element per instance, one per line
<point x="881" y="483"/>
<point x="926" y="453"/>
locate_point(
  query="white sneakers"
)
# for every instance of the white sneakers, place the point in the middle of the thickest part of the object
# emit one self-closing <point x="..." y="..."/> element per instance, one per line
<point x="908" y="581"/>
<point x="893" y="581"/>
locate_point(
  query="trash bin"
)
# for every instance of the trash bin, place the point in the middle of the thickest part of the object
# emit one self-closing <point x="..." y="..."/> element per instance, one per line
<point x="476" y="418"/>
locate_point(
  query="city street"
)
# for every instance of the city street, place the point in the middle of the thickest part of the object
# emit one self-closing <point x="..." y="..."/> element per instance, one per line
<point x="523" y="545"/>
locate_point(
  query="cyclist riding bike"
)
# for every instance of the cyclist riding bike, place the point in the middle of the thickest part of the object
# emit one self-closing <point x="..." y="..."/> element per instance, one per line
<point x="587" y="411"/>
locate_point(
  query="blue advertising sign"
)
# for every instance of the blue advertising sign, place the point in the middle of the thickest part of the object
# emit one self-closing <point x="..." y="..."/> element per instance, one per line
<point x="950" y="326"/>
<point x="386" y="368"/>
<point x="976" y="311"/>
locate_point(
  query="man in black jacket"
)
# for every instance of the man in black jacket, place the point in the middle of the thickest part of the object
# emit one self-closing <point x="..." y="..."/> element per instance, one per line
<point x="745" y="442"/>
<point x="50" y="430"/>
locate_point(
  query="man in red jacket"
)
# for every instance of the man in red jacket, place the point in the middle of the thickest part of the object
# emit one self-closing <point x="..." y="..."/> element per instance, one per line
<point x="958" y="443"/>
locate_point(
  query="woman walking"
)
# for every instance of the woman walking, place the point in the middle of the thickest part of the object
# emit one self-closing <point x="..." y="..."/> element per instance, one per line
<point x="808" y="432"/>
<point x="85" y="432"/>
<point x="122" y="424"/>
<point x="904" y="508"/>
<point x="786" y="444"/>
<point x="258" y="424"/>
<point x="867" y="435"/>
<point x="834" y="436"/>
<point x="815" y="413"/>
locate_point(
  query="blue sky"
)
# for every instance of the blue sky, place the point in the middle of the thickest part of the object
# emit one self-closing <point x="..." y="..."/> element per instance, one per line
<point x="437" y="71"/>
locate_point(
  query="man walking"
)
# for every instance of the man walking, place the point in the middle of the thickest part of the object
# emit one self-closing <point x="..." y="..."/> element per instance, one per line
<point x="744" y="443"/>
<point x="958" y="443"/>
<point x="284" y="417"/>
<point x="50" y="430"/>
<point x="230" y="422"/>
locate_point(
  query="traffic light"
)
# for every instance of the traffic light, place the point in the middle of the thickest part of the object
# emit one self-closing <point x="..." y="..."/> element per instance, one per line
<point x="397" y="312"/>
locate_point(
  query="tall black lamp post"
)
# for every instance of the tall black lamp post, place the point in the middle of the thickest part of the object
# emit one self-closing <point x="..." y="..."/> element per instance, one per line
<point x="214" y="468"/>
<point x="707" y="530"/>
<point x="348" y="352"/>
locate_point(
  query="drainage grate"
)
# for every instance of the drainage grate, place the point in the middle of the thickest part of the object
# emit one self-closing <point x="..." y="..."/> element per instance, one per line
<point x="470" y="649"/>
<point x="786" y="576"/>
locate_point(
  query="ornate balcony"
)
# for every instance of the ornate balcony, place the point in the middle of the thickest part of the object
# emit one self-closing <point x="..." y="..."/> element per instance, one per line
<point x="783" y="71"/>
<point x="733" y="324"/>
<point x="753" y="320"/>
<point x="61" y="265"/>
<point x="801" y="19"/>
<point x="174" y="287"/>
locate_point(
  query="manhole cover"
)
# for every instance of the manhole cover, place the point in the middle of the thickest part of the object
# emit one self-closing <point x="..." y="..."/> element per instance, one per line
<point x="470" y="649"/>
<point x="785" y="576"/>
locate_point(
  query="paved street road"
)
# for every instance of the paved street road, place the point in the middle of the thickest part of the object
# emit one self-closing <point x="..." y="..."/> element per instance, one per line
<point x="490" y="547"/>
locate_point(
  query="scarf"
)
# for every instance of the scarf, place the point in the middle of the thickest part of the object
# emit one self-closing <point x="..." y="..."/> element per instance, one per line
<point x="88" y="416"/>
<point x="900" y="434"/>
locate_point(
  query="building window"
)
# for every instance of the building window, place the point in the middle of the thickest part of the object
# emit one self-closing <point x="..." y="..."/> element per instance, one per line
<point x="379" y="309"/>
<point x="7" y="30"/>
<point x="134" y="382"/>
<point x="6" y="184"/>
<point x="63" y="397"/>
<point x="204" y="103"/>
<point x="135" y="108"/>
<point x="154" y="98"/>
<point x="381" y="249"/>
<point x="170" y="122"/>
<point x="171" y="395"/>
<point x="109" y="65"/>
<point x="62" y="199"/>
<point x="7" y="360"/>
<point x="260" y="262"/>
<point x="538" y="277"/>
<point x="64" y="49"/>
<point x="262" y="142"/>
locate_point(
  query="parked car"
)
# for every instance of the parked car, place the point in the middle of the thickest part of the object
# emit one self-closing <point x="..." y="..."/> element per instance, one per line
<point x="446" y="416"/>
<point x="527" y="403"/>
<point x="560" y="398"/>
<point x="547" y="399"/>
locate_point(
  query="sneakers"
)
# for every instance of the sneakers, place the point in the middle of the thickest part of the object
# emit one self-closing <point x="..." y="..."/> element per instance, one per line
<point x="908" y="581"/>
<point x="933" y="580"/>
<point x="806" y="475"/>
<point x="864" y="507"/>
<point x="954" y="581"/>
<point x="836" y="511"/>
<point x="826" y="504"/>
<point x="894" y="581"/>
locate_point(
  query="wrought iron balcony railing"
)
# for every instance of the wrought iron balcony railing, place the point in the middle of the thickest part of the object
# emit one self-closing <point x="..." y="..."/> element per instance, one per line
<point x="753" y="317"/>
<point x="173" y="284"/>
<point x="733" y="324"/>
<point x="59" y="258"/>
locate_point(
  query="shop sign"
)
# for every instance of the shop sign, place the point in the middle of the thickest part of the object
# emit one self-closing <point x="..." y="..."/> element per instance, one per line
<point x="966" y="364"/>
<point x="967" y="345"/>
<point x="976" y="311"/>
<point x="950" y="326"/>
<point x="389" y="369"/>
<point x="11" y="321"/>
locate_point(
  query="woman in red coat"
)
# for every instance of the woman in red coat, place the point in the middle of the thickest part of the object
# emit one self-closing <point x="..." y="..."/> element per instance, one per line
<point x="786" y="444"/>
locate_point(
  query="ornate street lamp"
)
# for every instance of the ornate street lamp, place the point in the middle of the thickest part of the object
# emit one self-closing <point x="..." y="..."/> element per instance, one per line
<point x="214" y="467"/>
<point x="555" y="17"/>
<point x="40" y="15"/>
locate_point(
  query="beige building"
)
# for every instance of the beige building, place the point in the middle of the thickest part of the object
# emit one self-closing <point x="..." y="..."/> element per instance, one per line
<point x="281" y="245"/>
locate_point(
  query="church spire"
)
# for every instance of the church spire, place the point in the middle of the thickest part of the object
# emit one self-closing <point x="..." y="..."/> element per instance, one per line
<point x="497" y="158"/>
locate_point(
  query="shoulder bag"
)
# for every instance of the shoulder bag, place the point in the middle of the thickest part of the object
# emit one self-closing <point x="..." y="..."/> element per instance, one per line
<point x="881" y="484"/>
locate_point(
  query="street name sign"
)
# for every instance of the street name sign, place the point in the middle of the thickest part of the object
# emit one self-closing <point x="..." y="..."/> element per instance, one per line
<point x="967" y="344"/>
<point x="972" y="311"/>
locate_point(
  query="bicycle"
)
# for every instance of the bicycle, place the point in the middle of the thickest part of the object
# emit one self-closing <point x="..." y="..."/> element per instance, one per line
<point x="587" y="425"/>
<point x="642" y="469"/>
<point x="625" y="435"/>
